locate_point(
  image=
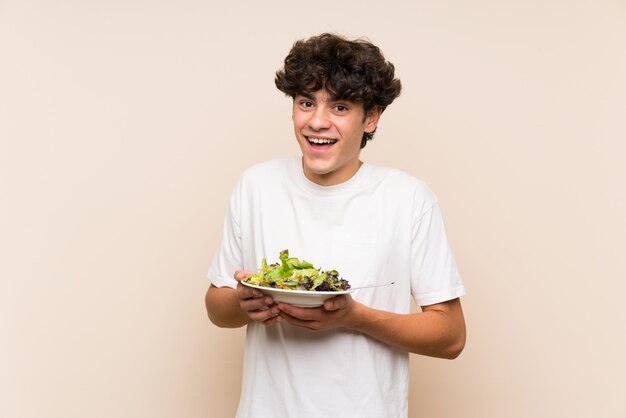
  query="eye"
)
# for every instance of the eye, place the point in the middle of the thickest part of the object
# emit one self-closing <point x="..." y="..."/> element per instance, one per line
<point x="306" y="104"/>
<point x="340" y="108"/>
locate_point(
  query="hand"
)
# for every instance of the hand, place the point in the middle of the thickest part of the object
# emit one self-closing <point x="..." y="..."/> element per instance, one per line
<point x="335" y="313"/>
<point x="259" y="308"/>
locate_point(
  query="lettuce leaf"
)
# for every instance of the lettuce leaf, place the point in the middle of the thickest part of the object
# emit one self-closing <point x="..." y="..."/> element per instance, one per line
<point x="295" y="274"/>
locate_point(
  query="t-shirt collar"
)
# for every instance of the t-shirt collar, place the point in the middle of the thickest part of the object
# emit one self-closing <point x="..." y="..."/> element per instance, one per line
<point x="356" y="181"/>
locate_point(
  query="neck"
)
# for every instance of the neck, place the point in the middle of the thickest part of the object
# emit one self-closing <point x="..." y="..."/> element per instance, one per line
<point x="334" y="177"/>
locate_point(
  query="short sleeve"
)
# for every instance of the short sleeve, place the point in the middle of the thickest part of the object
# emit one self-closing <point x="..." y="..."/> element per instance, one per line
<point x="228" y="256"/>
<point x="435" y="277"/>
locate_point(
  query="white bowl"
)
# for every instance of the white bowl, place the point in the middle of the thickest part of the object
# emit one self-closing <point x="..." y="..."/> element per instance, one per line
<point x="299" y="298"/>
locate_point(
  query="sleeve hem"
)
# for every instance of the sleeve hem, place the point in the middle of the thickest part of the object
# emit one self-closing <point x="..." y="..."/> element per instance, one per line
<point x="223" y="282"/>
<point x="442" y="296"/>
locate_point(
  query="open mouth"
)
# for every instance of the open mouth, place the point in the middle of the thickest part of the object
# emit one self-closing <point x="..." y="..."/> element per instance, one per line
<point x="320" y="142"/>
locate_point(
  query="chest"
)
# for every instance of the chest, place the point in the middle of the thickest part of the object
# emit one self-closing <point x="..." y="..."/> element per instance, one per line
<point x="365" y="236"/>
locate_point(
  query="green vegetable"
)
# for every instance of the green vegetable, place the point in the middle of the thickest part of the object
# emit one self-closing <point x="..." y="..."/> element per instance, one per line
<point x="294" y="274"/>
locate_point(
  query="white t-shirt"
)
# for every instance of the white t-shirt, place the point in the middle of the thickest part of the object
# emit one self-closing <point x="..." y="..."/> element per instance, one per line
<point x="379" y="226"/>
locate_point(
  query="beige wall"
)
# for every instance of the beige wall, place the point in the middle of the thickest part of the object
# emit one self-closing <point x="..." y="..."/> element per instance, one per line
<point x="125" y="124"/>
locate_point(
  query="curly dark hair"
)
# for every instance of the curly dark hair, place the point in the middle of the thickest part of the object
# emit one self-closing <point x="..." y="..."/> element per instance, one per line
<point x="349" y="70"/>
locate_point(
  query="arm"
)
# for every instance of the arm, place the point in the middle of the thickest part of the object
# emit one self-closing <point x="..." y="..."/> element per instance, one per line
<point x="234" y="308"/>
<point x="438" y="331"/>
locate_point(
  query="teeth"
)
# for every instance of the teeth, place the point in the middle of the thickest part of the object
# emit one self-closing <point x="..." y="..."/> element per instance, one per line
<point x="322" y="140"/>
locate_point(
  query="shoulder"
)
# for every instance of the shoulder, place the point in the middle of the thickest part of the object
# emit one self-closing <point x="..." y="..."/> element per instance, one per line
<point x="402" y="183"/>
<point x="264" y="178"/>
<point x="271" y="168"/>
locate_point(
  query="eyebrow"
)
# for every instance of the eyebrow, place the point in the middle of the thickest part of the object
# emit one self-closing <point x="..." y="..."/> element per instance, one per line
<point x="331" y="99"/>
<point x="305" y="95"/>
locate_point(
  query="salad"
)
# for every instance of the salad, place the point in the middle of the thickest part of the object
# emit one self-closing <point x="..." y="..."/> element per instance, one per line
<point x="294" y="274"/>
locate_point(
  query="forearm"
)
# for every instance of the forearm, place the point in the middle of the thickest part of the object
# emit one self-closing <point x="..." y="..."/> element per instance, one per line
<point x="434" y="332"/>
<point x="222" y="305"/>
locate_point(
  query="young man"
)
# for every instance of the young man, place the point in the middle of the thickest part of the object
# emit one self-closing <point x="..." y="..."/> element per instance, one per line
<point x="348" y="358"/>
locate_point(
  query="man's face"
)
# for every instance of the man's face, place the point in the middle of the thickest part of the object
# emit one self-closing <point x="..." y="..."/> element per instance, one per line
<point x="329" y="134"/>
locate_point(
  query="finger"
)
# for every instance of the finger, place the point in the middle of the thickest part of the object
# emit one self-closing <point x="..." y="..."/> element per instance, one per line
<point x="264" y="315"/>
<point x="336" y="303"/>
<point x="255" y="304"/>
<point x="312" y="325"/>
<point x="330" y="305"/>
<point x="305" y="314"/>
<point x="245" y="292"/>
<point x="273" y="320"/>
<point x="241" y="274"/>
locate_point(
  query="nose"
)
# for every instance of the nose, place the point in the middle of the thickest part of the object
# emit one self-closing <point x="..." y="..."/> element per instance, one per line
<point x="319" y="119"/>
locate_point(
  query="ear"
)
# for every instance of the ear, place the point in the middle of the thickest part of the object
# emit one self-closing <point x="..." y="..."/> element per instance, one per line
<point x="371" y="119"/>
